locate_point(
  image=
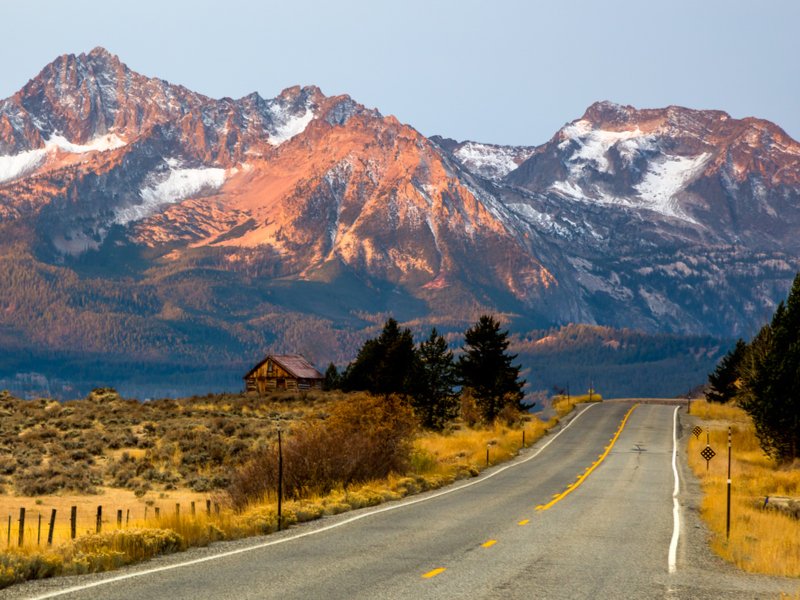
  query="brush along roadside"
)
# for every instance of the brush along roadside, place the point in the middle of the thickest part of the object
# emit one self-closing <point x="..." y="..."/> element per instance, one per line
<point x="433" y="461"/>
<point x="761" y="541"/>
<point x="563" y="405"/>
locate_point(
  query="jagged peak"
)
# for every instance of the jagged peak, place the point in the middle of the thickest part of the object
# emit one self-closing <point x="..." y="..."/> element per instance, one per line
<point x="606" y="112"/>
<point x="101" y="52"/>
<point x="295" y="92"/>
<point x="252" y="97"/>
<point x="610" y="114"/>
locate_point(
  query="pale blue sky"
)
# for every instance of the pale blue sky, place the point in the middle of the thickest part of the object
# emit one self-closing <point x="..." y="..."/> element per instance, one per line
<point x="504" y="71"/>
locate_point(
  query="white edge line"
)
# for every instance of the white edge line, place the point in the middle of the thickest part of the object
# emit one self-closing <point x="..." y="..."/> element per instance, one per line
<point x="402" y="504"/>
<point x="672" y="558"/>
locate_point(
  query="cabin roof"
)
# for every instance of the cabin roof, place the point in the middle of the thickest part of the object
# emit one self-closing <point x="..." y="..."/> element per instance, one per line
<point x="294" y="364"/>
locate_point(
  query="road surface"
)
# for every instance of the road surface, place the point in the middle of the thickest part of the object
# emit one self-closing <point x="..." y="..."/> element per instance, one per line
<point x="518" y="531"/>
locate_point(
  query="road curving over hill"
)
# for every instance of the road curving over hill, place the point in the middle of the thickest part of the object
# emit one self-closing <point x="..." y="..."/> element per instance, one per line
<point x="588" y="512"/>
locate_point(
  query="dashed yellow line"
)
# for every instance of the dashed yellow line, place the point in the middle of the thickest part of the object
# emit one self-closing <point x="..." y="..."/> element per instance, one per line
<point x="434" y="573"/>
<point x="524" y="522"/>
<point x="595" y="464"/>
<point x="488" y="543"/>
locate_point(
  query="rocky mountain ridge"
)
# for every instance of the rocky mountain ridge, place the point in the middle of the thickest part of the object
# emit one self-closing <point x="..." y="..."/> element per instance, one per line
<point x="217" y="222"/>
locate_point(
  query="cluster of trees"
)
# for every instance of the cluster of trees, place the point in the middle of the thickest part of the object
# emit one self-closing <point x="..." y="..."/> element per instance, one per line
<point x="429" y="376"/>
<point x="763" y="377"/>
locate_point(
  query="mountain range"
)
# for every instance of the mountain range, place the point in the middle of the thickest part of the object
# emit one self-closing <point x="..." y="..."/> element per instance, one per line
<point x="149" y="231"/>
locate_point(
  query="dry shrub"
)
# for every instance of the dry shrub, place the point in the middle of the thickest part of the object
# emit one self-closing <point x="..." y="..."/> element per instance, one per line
<point x="470" y="413"/>
<point x="563" y="405"/>
<point x="510" y="415"/>
<point x="16" y="567"/>
<point x="363" y="439"/>
<point x="88" y="554"/>
<point x="104" y="551"/>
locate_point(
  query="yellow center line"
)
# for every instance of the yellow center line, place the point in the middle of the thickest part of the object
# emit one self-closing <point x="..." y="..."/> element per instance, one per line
<point x="524" y="522"/>
<point x="572" y="487"/>
<point x="433" y="573"/>
<point x="488" y="543"/>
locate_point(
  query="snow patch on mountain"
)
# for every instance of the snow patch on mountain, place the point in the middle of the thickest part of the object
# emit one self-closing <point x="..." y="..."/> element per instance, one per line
<point x="593" y="145"/>
<point x="541" y="221"/>
<point x="17" y="165"/>
<point x="666" y="177"/>
<point x="179" y="185"/>
<point x="487" y="160"/>
<point x="289" y="125"/>
<point x="569" y="189"/>
<point x="102" y="143"/>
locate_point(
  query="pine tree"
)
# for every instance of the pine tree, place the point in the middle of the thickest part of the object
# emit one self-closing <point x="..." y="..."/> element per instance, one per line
<point x="485" y="368"/>
<point x="434" y="399"/>
<point x="384" y="365"/>
<point x="333" y="380"/>
<point x="722" y="382"/>
<point x="770" y="373"/>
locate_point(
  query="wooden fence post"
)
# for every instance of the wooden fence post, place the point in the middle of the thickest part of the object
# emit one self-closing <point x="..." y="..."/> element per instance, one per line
<point x="21" y="526"/>
<point x="208" y="506"/>
<point x="8" y="540"/>
<point x="177" y="510"/>
<point x="119" y="518"/>
<point x="193" y="513"/>
<point x="39" y="531"/>
<point x="73" y="521"/>
<point x="52" y="526"/>
<point x="99" y="519"/>
<point x="158" y="512"/>
<point x="127" y="516"/>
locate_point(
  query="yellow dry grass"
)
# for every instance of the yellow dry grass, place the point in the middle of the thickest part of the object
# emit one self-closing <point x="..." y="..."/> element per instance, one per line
<point x="465" y="450"/>
<point x="437" y="459"/>
<point x="563" y="405"/>
<point x="761" y="541"/>
<point x="136" y="512"/>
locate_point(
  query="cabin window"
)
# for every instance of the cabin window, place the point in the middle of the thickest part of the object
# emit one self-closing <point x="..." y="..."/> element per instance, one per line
<point x="281" y="384"/>
<point x="269" y="367"/>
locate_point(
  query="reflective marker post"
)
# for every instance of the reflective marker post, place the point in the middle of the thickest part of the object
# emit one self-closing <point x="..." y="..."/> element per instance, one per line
<point x="728" y="517"/>
<point x="280" y="479"/>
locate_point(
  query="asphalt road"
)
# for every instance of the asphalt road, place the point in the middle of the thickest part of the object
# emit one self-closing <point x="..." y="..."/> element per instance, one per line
<point x="609" y="537"/>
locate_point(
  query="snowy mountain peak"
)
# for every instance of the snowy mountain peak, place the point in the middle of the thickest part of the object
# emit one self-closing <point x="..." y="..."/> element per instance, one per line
<point x="607" y="112"/>
<point x="490" y="161"/>
<point x="659" y="162"/>
<point x="595" y="225"/>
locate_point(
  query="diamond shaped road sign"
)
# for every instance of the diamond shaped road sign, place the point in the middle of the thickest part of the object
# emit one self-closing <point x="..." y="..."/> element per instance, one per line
<point x="708" y="453"/>
<point x="697" y="431"/>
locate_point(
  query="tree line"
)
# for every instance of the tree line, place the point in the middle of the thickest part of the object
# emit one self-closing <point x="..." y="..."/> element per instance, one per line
<point x="430" y="377"/>
<point x="763" y="377"/>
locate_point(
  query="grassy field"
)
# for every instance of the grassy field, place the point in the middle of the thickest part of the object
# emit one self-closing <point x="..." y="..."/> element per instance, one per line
<point x="136" y="510"/>
<point x="761" y="541"/>
<point x="164" y="449"/>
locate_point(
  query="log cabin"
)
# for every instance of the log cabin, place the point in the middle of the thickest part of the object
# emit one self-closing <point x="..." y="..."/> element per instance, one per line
<point x="289" y="372"/>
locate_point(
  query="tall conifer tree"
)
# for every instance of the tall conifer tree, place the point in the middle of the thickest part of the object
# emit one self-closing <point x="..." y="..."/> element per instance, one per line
<point x="722" y="381"/>
<point x="384" y="365"/>
<point x="770" y="390"/>
<point x="486" y="367"/>
<point x="435" y="399"/>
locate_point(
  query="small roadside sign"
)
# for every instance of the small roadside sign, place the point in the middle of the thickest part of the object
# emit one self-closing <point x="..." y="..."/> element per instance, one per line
<point x="708" y="453"/>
